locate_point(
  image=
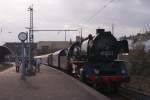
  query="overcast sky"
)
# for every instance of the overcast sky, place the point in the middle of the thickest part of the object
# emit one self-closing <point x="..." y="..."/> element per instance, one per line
<point x="128" y="17"/>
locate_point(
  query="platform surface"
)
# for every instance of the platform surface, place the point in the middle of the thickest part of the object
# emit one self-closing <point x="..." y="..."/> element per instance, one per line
<point x="49" y="84"/>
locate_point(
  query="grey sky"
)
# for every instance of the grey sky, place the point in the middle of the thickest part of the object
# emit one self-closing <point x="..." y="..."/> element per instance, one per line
<point x="128" y="17"/>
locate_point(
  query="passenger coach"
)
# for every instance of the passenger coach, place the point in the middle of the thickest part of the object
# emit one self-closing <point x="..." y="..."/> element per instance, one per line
<point x="58" y="59"/>
<point x="43" y="58"/>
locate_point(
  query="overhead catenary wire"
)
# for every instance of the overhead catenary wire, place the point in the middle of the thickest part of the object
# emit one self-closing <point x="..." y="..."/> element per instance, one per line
<point x="99" y="11"/>
<point x="108" y="2"/>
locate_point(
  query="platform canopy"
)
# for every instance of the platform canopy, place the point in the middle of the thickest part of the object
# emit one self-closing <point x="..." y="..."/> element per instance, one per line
<point x="4" y="51"/>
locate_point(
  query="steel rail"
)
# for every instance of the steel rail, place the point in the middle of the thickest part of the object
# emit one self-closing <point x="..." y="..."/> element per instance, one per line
<point x="133" y="94"/>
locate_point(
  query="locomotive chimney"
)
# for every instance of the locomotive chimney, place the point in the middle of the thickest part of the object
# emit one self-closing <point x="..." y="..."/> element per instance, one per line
<point x="108" y="33"/>
<point x="99" y="31"/>
<point x="78" y="38"/>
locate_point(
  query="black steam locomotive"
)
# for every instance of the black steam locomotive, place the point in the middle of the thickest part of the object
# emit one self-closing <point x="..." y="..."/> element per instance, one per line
<point x="94" y="60"/>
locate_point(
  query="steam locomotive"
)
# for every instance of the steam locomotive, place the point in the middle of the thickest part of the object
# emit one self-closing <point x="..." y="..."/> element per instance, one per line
<point x="93" y="60"/>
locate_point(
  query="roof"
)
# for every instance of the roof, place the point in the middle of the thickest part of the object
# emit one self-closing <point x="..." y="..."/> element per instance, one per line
<point x="42" y="56"/>
<point x="3" y="52"/>
<point x="60" y="52"/>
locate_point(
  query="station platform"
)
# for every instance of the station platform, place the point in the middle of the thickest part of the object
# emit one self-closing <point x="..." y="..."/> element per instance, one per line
<point x="49" y="84"/>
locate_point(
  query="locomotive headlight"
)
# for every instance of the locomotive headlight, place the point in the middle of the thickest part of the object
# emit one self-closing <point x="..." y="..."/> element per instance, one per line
<point x="96" y="71"/>
<point x="123" y="71"/>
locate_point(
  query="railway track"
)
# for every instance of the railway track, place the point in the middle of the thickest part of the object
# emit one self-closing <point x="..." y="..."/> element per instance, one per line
<point x="125" y="93"/>
<point x="131" y="94"/>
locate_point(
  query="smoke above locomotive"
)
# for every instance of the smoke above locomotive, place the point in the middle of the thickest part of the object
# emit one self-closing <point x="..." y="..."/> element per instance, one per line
<point x="103" y="47"/>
